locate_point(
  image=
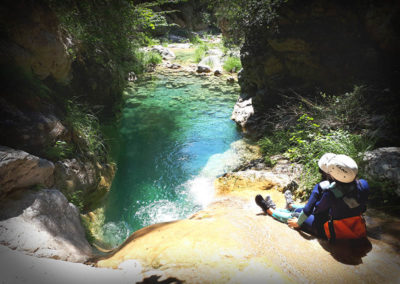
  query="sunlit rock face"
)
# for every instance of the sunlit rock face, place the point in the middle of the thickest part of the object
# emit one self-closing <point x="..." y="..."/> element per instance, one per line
<point x="232" y="241"/>
<point x="321" y="46"/>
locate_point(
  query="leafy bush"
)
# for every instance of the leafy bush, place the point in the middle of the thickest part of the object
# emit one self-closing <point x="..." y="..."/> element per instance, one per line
<point x="144" y="59"/>
<point x="152" y="57"/>
<point x="60" y="150"/>
<point x="305" y="140"/>
<point x="242" y="16"/>
<point x="200" y="52"/>
<point x="86" y="133"/>
<point x="232" y="64"/>
<point x="195" y="39"/>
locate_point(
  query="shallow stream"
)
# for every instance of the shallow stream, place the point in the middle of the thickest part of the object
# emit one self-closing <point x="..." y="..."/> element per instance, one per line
<point x="175" y="136"/>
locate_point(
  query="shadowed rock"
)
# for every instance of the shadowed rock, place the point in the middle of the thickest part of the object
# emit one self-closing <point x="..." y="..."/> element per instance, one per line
<point x="44" y="224"/>
<point x="19" y="169"/>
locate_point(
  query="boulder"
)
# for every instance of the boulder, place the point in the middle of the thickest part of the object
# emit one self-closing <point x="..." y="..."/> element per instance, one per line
<point x="90" y="180"/>
<point x="242" y="111"/>
<point x="43" y="224"/>
<point x="217" y="72"/>
<point x="19" y="169"/>
<point x="384" y="164"/>
<point x="203" y="68"/>
<point x="172" y="65"/>
<point x="212" y="61"/>
<point x="230" y="79"/>
<point x="25" y="127"/>
<point x="163" y="51"/>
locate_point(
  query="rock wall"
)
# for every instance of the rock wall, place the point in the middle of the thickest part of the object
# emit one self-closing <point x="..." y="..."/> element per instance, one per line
<point x="34" y="40"/>
<point x="37" y="82"/>
<point x="383" y="164"/>
<point x="321" y="45"/>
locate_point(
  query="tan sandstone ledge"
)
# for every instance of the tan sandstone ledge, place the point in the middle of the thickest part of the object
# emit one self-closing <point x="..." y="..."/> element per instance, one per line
<point x="231" y="241"/>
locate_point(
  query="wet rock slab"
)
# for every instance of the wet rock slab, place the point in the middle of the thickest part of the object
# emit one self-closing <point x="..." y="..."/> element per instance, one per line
<point x="232" y="241"/>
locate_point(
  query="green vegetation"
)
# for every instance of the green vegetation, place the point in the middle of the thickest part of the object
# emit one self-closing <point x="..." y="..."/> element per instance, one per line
<point x="232" y="64"/>
<point x="329" y="125"/>
<point x="86" y="133"/>
<point x="241" y="16"/>
<point x="144" y="60"/>
<point x="200" y="52"/>
<point x="105" y="39"/>
<point x="60" y="150"/>
<point x="195" y="40"/>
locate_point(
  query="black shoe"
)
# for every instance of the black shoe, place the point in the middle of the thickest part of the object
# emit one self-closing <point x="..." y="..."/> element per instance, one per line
<point x="265" y="204"/>
<point x="289" y="198"/>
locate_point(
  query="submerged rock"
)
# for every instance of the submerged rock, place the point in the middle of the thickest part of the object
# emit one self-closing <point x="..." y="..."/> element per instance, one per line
<point x="19" y="169"/>
<point x="44" y="224"/>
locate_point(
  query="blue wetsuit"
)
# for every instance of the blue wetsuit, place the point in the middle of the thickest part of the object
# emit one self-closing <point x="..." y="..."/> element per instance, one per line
<point x="304" y="211"/>
<point x="338" y="205"/>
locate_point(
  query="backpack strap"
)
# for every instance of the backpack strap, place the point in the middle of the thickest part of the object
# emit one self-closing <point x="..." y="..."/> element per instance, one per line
<point x="331" y="231"/>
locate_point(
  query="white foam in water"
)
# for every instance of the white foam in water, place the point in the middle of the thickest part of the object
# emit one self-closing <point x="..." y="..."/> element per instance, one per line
<point x="198" y="190"/>
<point x="201" y="188"/>
<point x="158" y="212"/>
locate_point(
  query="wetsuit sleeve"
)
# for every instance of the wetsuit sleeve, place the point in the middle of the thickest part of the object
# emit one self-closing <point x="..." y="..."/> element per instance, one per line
<point x="309" y="207"/>
<point x="325" y="203"/>
<point x="314" y="197"/>
<point x="302" y="217"/>
<point x="363" y="193"/>
<point x="363" y="189"/>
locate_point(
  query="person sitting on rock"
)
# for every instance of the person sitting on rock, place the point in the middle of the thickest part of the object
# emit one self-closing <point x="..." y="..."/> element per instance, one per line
<point x="294" y="210"/>
<point x="346" y="198"/>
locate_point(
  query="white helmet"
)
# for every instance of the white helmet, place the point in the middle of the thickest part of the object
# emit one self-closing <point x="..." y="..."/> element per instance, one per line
<point x="343" y="168"/>
<point x="323" y="162"/>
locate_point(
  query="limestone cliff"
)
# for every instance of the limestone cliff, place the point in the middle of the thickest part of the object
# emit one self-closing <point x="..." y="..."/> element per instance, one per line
<point x="321" y="46"/>
<point x="46" y="140"/>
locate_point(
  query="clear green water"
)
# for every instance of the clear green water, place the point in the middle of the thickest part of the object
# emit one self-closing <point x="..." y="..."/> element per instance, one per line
<point x="173" y="140"/>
